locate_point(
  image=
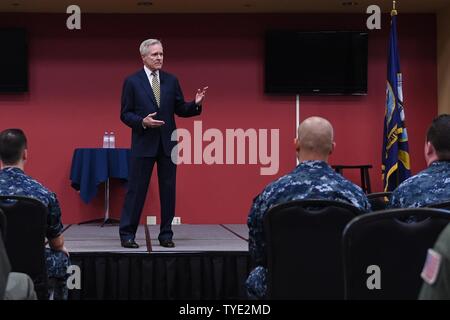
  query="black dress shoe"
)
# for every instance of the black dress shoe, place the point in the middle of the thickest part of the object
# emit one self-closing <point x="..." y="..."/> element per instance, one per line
<point x="130" y="244"/>
<point x="167" y="243"/>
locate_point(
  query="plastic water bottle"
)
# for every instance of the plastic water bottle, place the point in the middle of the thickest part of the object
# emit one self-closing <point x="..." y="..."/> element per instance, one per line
<point x="112" y="140"/>
<point x="106" y="140"/>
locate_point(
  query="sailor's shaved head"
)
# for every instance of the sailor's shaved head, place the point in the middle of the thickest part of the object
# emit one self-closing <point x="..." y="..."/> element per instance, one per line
<point x="315" y="136"/>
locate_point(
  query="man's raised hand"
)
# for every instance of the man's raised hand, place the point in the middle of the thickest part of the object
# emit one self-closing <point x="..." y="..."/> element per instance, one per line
<point x="200" y="95"/>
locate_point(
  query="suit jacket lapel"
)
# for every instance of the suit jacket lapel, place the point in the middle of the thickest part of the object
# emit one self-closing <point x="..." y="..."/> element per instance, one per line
<point x="147" y="87"/>
<point x="162" y="82"/>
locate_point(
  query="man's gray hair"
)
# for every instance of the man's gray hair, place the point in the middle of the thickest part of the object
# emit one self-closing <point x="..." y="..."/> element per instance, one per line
<point x="143" y="48"/>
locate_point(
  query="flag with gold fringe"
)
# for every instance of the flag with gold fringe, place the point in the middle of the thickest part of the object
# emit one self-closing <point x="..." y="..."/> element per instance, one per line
<point x="395" y="154"/>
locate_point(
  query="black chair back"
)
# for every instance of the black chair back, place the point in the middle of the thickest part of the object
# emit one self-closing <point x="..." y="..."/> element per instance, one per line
<point x="379" y="200"/>
<point x="5" y="267"/>
<point x="25" y="238"/>
<point x="381" y="247"/>
<point x="3" y="225"/>
<point x="304" y="249"/>
<point x="441" y="205"/>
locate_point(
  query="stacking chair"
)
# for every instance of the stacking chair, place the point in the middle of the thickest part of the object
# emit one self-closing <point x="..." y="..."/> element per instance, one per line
<point x="5" y="266"/>
<point x="441" y="205"/>
<point x="4" y="262"/>
<point x="25" y="238"/>
<point x="2" y="225"/>
<point x="304" y="249"/>
<point x="384" y="255"/>
<point x="379" y="200"/>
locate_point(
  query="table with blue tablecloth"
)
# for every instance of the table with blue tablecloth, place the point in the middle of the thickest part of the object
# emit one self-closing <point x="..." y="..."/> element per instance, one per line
<point x="94" y="166"/>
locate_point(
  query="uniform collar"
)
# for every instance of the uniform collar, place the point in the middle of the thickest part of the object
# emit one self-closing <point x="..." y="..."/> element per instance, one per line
<point x="12" y="169"/>
<point x="439" y="162"/>
<point x="312" y="163"/>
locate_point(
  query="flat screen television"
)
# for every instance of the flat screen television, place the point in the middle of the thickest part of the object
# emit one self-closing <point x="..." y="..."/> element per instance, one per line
<point x="13" y="60"/>
<point x="316" y="63"/>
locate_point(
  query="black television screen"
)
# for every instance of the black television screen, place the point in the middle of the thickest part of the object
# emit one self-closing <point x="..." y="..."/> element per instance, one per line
<point x="316" y="63"/>
<point x="13" y="60"/>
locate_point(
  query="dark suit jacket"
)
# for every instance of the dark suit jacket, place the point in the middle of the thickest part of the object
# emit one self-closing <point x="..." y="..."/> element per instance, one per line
<point x="138" y="101"/>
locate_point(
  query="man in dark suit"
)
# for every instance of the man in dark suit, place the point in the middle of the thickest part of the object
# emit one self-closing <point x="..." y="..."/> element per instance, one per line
<point x="150" y="98"/>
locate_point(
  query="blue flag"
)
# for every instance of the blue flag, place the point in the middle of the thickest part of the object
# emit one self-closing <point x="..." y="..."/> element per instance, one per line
<point x="395" y="154"/>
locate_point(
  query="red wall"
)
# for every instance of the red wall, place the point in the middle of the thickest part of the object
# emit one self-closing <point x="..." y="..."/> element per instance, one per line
<point x="75" y="87"/>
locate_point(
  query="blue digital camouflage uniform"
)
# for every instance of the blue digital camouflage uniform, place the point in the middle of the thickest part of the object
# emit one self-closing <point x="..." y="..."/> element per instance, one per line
<point x="309" y="180"/>
<point x="13" y="181"/>
<point x="429" y="186"/>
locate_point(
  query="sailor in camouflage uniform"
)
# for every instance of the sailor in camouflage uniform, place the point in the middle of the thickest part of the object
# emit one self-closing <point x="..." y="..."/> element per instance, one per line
<point x="431" y="185"/>
<point x="313" y="178"/>
<point x="13" y="181"/>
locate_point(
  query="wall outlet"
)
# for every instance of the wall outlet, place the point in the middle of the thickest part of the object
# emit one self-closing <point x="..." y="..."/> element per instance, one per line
<point x="151" y="220"/>
<point x="176" y="220"/>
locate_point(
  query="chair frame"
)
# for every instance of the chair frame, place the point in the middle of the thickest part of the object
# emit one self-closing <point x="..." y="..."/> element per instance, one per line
<point x="3" y="225"/>
<point x="440" y="205"/>
<point x="377" y="196"/>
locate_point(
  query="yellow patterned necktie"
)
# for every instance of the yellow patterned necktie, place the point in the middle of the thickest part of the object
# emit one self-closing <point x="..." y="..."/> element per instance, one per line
<point x="156" y="88"/>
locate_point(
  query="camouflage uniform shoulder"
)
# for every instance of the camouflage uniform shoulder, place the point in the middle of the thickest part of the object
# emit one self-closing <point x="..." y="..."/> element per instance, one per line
<point x="427" y="187"/>
<point x="443" y="242"/>
<point x="16" y="182"/>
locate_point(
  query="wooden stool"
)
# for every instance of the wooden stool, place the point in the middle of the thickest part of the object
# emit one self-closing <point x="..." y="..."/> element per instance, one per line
<point x="364" y="170"/>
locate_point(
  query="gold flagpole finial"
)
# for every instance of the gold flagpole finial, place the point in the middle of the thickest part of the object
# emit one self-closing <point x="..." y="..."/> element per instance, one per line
<point x="393" y="12"/>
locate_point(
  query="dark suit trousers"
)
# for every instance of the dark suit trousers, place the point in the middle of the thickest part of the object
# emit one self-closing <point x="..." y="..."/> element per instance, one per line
<point x="139" y="180"/>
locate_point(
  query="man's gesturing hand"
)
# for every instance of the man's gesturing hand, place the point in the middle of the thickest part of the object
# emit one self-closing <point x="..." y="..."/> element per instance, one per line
<point x="200" y="96"/>
<point x="149" y="122"/>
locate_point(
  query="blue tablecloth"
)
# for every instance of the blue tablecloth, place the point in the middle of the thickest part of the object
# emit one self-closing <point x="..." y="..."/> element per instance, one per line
<point x="93" y="166"/>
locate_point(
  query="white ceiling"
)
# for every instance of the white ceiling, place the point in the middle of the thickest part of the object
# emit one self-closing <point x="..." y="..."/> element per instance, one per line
<point x="221" y="6"/>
